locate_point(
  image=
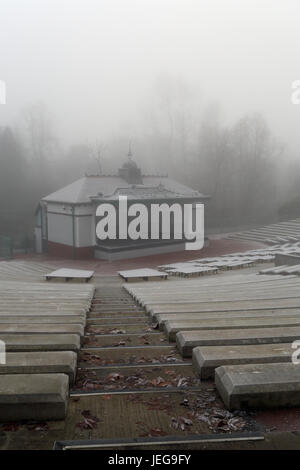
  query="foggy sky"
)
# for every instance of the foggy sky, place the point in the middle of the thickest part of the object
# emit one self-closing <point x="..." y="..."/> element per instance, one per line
<point x="95" y="63"/>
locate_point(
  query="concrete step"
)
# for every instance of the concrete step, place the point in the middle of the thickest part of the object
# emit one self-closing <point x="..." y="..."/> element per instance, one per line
<point x="228" y="306"/>
<point x="191" y="299"/>
<point x="138" y="339"/>
<point x="34" y="397"/>
<point x="276" y="313"/>
<point x="207" y="358"/>
<point x="106" y="321"/>
<point x="120" y="312"/>
<point x="117" y="328"/>
<point x="30" y="310"/>
<point x="43" y="319"/>
<point x="41" y="363"/>
<point x="41" y="342"/>
<point x="133" y="313"/>
<point x="31" y="328"/>
<point x="259" y="385"/>
<point x="101" y="316"/>
<point x="187" y="340"/>
<point x="171" y="328"/>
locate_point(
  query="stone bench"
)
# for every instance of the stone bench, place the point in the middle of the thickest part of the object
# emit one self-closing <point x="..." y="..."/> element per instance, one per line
<point x="35" y="397"/>
<point x="171" y="328"/>
<point x="32" y="328"/>
<point x="69" y="274"/>
<point x="142" y="274"/>
<point x="40" y="310"/>
<point x="227" y="306"/>
<point x="188" y="340"/>
<point x="43" y="319"/>
<point x="207" y="358"/>
<point x="41" y="342"/>
<point x="40" y="363"/>
<point x="259" y="385"/>
<point x="163" y="317"/>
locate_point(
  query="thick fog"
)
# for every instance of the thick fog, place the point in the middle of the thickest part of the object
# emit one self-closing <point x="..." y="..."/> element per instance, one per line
<point x="201" y="88"/>
<point x="94" y="63"/>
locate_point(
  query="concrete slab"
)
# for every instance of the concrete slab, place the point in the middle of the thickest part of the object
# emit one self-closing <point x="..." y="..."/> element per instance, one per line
<point x="259" y="385"/>
<point x="33" y="397"/>
<point x="191" y="271"/>
<point x="188" y="340"/>
<point x="47" y="328"/>
<point x="43" y="319"/>
<point x="41" y="342"/>
<point x="163" y="317"/>
<point x="40" y="311"/>
<point x="68" y="274"/>
<point x="171" y="328"/>
<point x="143" y="274"/>
<point x="192" y="298"/>
<point x="207" y="358"/>
<point x="41" y="363"/>
<point x="46" y="306"/>
<point x="225" y="306"/>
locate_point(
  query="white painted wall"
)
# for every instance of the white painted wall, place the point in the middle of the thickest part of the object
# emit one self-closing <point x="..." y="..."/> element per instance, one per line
<point x="84" y="231"/>
<point x="60" y="229"/>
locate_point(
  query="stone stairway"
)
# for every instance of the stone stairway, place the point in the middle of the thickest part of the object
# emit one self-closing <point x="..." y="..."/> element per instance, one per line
<point x="143" y="388"/>
<point x="119" y="336"/>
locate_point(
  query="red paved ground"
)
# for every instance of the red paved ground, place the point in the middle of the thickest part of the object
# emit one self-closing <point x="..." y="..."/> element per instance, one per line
<point x="102" y="267"/>
<point x="285" y="419"/>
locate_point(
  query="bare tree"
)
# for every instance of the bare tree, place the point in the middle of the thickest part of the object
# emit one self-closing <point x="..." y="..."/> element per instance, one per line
<point x="40" y="140"/>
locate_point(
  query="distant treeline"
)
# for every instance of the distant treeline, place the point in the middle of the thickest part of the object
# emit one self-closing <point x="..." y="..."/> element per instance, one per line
<point x="242" y="167"/>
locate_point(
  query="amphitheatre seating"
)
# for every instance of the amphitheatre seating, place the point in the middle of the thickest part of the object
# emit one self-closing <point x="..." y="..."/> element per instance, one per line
<point x="238" y="326"/>
<point x="69" y="274"/>
<point x="213" y="265"/>
<point x="188" y="267"/>
<point x="142" y="274"/>
<point x="40" y="362"/>
<point x="282" y="232"/>
<point x="41" y="342"/>
<point x="246" y="305"/>
<point x="162" y="318"/>
<point x="207" y="358"/>
<point x="284" y="270"/>
<point x="41" y="325"/>
<point x="187" y="340"/>
<point x="213" y="296"/>
<point x="43" y="328"/>
<point x="168" y="268"/>
<point x="171" y="328"/>
<point x="19" y="270"/>
<point x="259" y="385"/>
<point x="44" y="318"/>
<point x="33" y="397"/>
<point x="200" y="267"/>
<point x="192" y="270"/>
